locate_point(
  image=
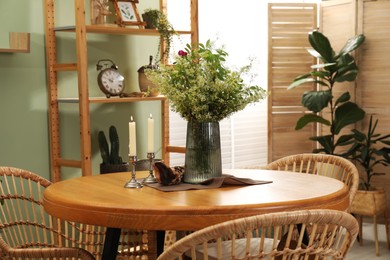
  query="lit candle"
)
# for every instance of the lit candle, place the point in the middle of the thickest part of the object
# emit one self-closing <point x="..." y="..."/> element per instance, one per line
<point x="132" y="138"/>
<point x="150" y="134"/>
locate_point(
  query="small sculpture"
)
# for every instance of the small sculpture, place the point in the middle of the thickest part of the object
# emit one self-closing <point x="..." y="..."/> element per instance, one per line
<point x="168" y="176"/>
<point x="100" y="10"/>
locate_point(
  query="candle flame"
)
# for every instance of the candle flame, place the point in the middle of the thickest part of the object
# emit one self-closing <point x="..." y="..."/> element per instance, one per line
<point x="131" y="118"/>
<point x="150" y="116"/>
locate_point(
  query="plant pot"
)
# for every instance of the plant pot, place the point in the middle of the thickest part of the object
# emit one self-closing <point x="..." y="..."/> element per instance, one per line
<point x="149" y="21"/>
<point x="110" y="168"/>
<point x="145" y="85"/>
<point x="203" y="152"/>
<point x="369" y="203"/>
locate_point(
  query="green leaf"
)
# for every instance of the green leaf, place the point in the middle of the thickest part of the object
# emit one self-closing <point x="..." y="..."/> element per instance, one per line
<point x="325" y="141"/>
<point x="298" y="82"/>
<point x="344" y="140"/>
<point x="322" y="65"/>
<point x="320" y="73"/>
<point x="346" y="114"/>
<point x="310" y="118"/>
<point x="315" y="101"/>
<point x="352" y="44"/>
<point x="359" y="136"/>
<point x="346" y="69"/>
<point x="322" y="45"/>
<point x="350" y="76"/>
<point x="314" y="53"/>
<point x="343" y="98"/>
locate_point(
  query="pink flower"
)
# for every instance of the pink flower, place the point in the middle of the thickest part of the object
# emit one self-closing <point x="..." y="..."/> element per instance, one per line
<point x="182" y="53"/>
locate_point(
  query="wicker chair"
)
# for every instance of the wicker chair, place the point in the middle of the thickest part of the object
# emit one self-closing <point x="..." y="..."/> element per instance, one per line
<point x="271" y="236"/>
<point x="28" y="232"/>
<point x="321" y="164"/>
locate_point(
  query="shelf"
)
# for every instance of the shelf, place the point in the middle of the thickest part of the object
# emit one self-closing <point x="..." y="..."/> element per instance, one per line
<point x="112" y="99"/>
<point x="112" y="29"/>
<point x="18" y="42"/>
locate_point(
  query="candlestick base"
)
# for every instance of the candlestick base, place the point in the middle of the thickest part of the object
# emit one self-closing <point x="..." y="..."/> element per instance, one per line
<point x="150" y="178"/>
<point x="133" y="183"/>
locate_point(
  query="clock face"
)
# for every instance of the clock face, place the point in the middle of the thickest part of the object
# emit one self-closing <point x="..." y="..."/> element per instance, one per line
<point x="111" y="82"/>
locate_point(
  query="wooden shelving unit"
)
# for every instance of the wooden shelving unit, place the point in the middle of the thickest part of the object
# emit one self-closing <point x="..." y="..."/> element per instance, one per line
<point x="18" y="42"/>
<point x="81" y="29"/>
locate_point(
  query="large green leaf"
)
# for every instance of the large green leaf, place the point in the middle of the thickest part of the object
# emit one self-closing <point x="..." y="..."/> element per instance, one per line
<point x="310" y="118"/>
<point x="322" y="65"/>
<point x="325" y="141"/>
<point x="320" y="73"/>
<point x="315" y="101"/>
<point x="301" y="81"/>
<point x="344" y="140"/>
<point x="343" y="98"/>
<point x="322" y="45"/>
<point x="349" y="76"/>
<point x="346" y="69"/>
<point x="314" y="53"/>
<point x="346" y="114"/>
<point x="352" y="44"/>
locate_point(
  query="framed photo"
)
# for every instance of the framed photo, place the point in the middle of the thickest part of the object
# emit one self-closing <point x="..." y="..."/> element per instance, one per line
<point x="127" y="13"/>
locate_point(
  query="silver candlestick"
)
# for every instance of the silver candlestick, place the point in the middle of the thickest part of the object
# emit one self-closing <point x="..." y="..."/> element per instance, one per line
<point x="150" y="178"/>
<point x="133" y="183"/>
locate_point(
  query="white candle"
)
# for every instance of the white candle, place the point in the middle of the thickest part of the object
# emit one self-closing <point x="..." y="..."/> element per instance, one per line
<point x="150" y="134"/>
<point x="132" y="138"/>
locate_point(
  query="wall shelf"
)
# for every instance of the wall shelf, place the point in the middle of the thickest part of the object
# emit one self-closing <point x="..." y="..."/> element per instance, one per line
<point x="18" y="42"/>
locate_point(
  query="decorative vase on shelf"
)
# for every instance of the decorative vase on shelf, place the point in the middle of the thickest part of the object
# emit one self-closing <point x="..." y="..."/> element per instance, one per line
<point x="203" y="152"/>
<point x="145" y="85"/>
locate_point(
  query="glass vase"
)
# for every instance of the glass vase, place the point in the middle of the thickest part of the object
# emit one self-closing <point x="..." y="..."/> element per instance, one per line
<point x="203" y="152"/>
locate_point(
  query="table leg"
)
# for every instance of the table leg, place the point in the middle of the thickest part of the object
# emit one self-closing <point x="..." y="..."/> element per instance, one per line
<point x="111" y="242"/>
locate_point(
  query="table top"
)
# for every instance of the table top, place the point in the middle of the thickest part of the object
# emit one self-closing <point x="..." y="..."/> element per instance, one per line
<point x="103" y="200"/>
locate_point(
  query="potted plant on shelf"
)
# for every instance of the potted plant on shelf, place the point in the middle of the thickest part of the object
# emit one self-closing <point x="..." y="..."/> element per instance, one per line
<point x="335" y="68"/>
<point x="203" y="90"/>
<point x="369" y="200"/>
<point x="155" y="19"/>
<point x="112" y="162"/>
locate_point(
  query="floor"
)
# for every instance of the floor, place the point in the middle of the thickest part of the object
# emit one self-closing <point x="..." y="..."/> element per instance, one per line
<point x="367" y="251"/>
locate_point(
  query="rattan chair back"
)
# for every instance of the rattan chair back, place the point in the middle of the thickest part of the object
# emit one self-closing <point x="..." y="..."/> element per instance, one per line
<point x="28" y="232"/>
<point x="280" y="235"/>
<point x="321" y="164"/>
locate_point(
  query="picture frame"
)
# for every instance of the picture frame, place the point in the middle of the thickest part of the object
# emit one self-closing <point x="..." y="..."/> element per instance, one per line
<point x="127" y="13"/>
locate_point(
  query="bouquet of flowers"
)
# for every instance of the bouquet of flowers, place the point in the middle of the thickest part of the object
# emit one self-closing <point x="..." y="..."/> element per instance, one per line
<point x="201" y="88"/>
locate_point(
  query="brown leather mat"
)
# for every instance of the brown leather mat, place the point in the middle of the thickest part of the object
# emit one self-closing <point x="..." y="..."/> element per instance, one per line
<point x="224" y="180"/>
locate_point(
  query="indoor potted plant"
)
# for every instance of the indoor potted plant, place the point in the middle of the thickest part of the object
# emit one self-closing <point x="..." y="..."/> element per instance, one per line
<point x="112" y="162"/>
<point x="203" y="90"/>
<point x="369" y="200"/>
<point x="155" y="19"/>
<point x="335" y="68"/>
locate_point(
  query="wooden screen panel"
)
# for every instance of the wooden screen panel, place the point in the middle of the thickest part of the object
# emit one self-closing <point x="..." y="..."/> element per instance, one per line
<point x="374" y="72"/>
<point x="288" y="58"/>
<point x="340" y="14"/>
<point x="374" y="63"/>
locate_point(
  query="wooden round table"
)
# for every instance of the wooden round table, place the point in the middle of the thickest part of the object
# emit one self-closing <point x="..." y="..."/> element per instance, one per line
<point x="103" y="200"/>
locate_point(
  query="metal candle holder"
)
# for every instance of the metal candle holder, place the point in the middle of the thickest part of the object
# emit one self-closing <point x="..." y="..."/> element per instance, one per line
<point x="133" y="183"/>
<point x="150" y="178"/>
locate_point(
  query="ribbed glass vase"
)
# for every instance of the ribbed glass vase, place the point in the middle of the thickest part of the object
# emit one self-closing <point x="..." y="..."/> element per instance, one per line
<point x="203" y="152"/>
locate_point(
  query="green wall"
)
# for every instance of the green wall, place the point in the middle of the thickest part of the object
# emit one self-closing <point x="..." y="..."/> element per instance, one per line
<point x="24" y="140"/>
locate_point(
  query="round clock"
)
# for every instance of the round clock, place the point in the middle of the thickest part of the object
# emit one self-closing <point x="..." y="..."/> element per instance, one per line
<point x="110" y="81"/>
